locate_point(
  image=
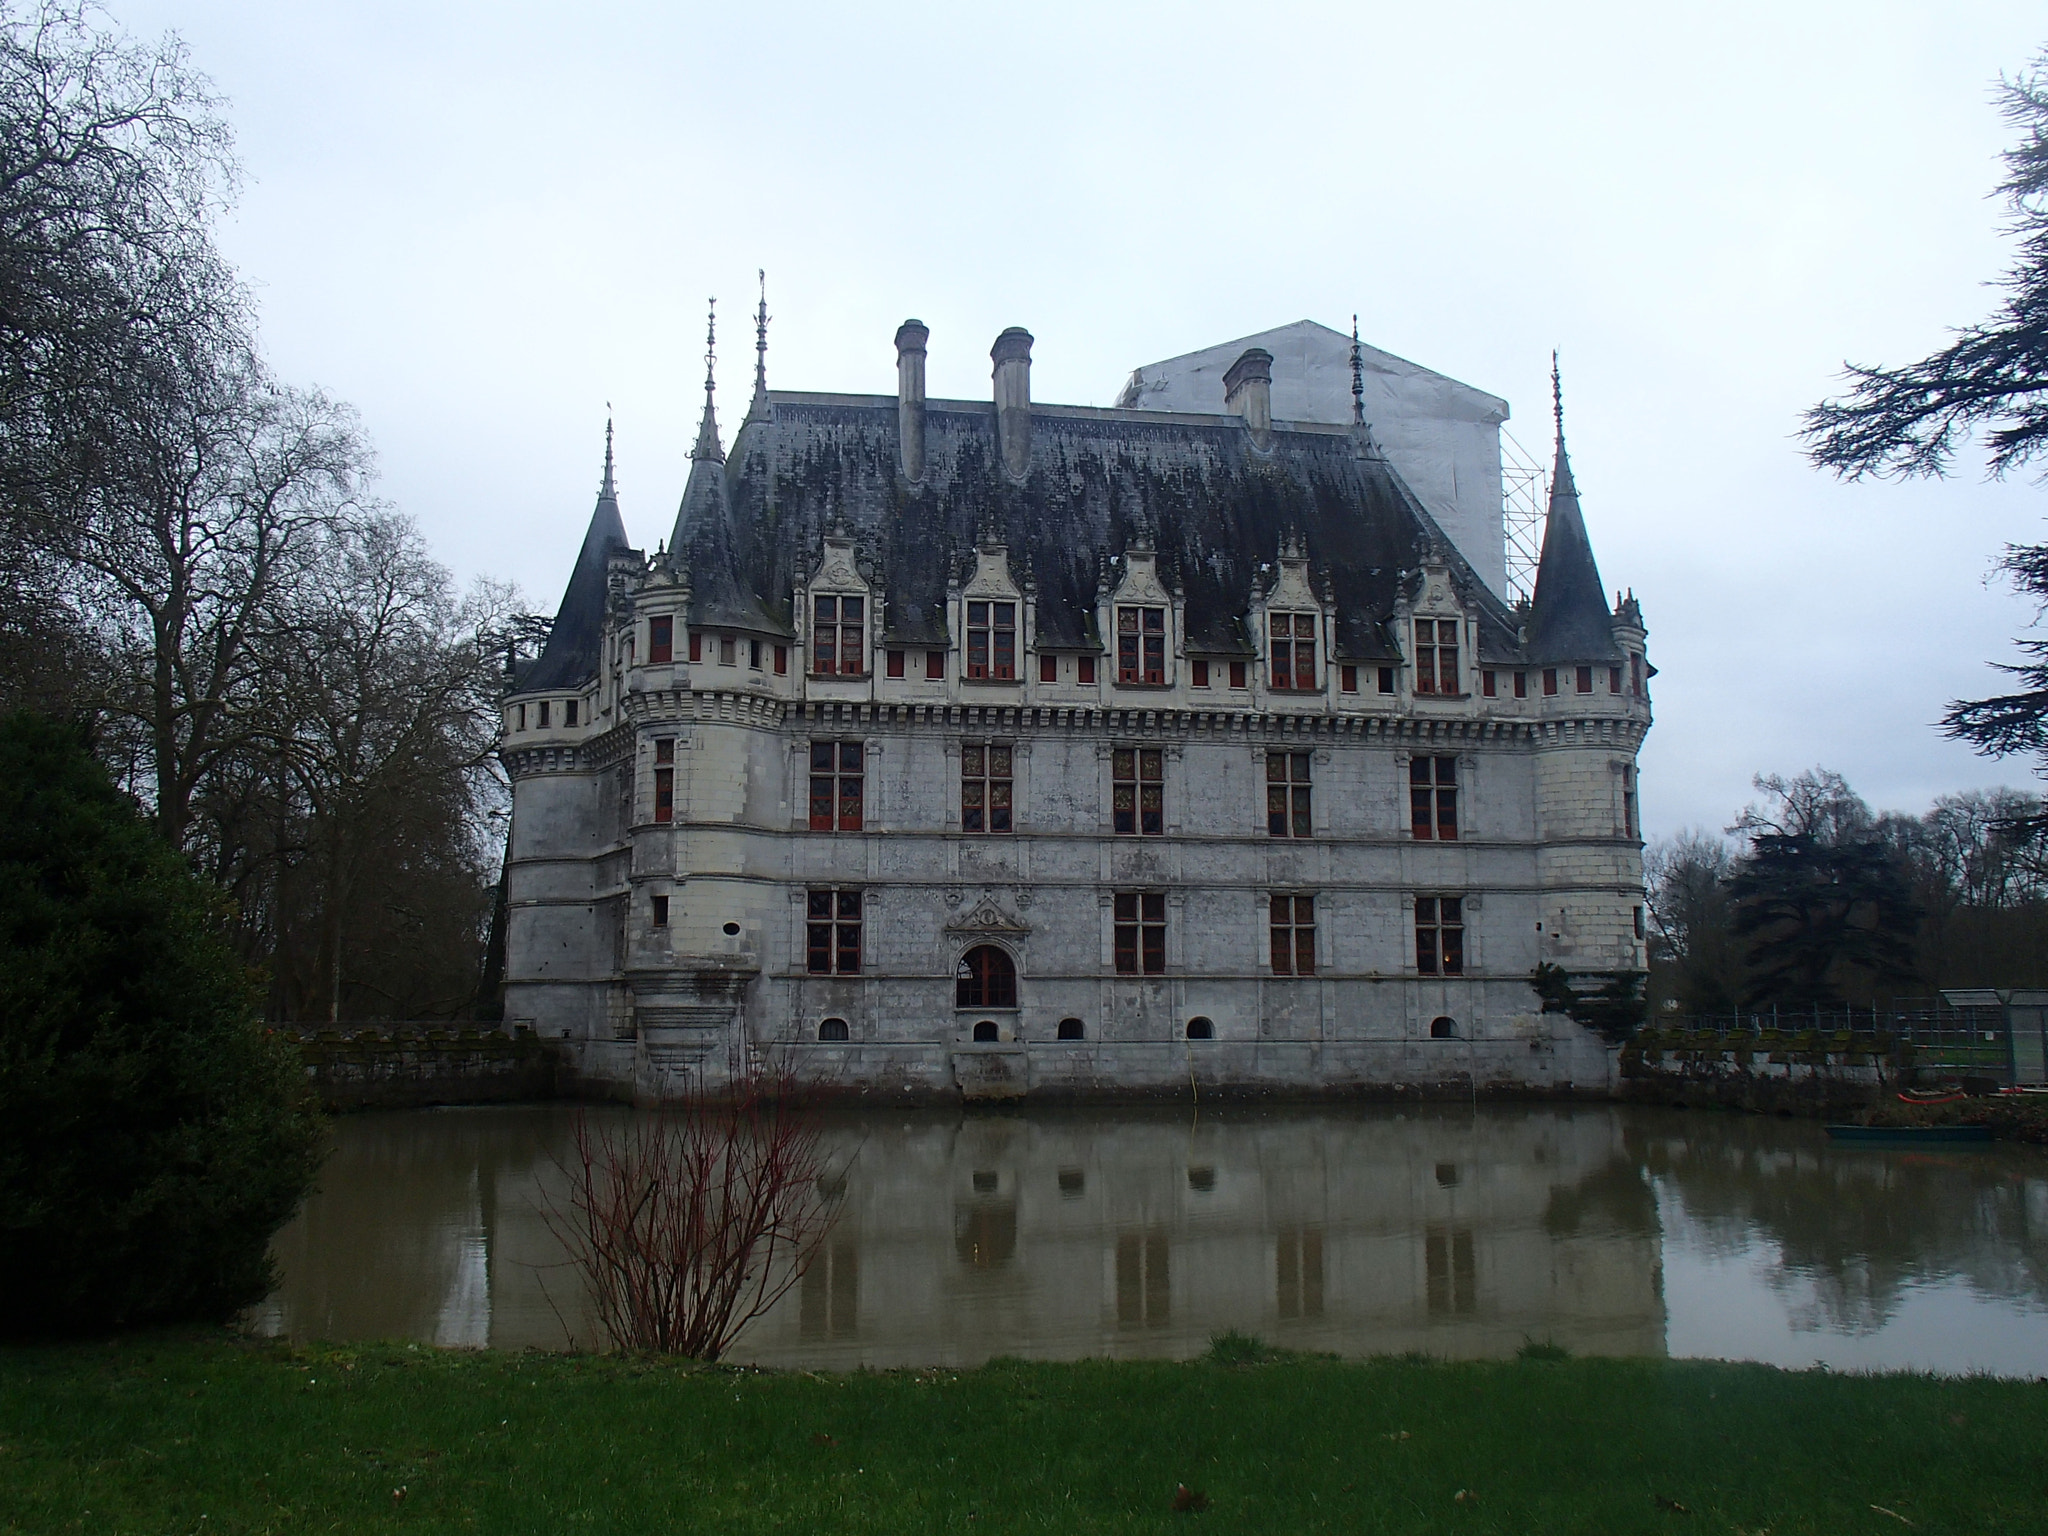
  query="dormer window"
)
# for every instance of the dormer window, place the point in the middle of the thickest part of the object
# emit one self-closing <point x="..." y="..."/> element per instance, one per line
<point x="1294" y="650"/>
<point x="837" y="636"/>
<point x="1141" y="646"/>
<point x="1436" y="656"/>
<point x="992" y="641"/>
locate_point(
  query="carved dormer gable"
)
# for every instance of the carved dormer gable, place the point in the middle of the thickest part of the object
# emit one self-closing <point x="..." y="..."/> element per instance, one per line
<point x="990" y="610"/>
<point x="1142" y="620"/>
<point x="837" y="612"/>
<point x="1292" y="622"/>
<point x="987" y="917"/>
<point x="1437" y="632"/>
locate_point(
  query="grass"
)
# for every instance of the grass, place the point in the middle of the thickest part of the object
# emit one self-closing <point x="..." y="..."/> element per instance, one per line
<point x="178" y="1435"/>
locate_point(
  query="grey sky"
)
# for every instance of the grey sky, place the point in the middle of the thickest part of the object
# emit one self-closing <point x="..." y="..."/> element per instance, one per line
<point x="479" y="223"/>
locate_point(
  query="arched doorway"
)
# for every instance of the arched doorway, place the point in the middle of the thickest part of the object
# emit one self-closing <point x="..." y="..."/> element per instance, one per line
<point x="986" y="978"/>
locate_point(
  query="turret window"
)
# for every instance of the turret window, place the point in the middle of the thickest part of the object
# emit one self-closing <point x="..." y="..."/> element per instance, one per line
<point x="1585" y="679"/>
<point x="1084" y="670"/>
<point x="1293" y="638"/>
<point x="661" y="639"/>
<point x="838" y="784"/>
<point x="1436" y="656"/>
<point x="838" y="629"/>
<point x="1635" y="676"/>
<point x="832" y="933"/>
<point x="1138" y="792"/>
<point x="1048" y="669"/>
<point x="1433" y="798"/>
<point x="665" y="779"/>
<point x="1628" y="804"/>
<point x="1440" y="935"/>
<point x="1141" y="646"/>
<point x="992" y="641"/>
<point x="728" y="650"/>
<point x="1614" y="679"/>
<point x="1237" y="674"/>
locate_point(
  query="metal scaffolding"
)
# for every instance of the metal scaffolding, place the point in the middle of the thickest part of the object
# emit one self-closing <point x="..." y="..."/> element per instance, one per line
<point x="1524" y="500"/>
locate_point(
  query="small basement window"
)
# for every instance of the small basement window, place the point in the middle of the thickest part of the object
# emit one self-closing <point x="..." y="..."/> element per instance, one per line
<point x="985" y="1032"/>
<point x="834" y="1030"/>
<point x="1443" y="1028"/>
<point x="1072" y="1029"/>
<point x="1201" y="1027"/>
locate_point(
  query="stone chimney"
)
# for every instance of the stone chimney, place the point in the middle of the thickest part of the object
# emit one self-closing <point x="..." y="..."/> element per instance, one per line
<point x="1012" y="355"/>
<point x="911" y="336"/>
<point x="1248" y="392"/>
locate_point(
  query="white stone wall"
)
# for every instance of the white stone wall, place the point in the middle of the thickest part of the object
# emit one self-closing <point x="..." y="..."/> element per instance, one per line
<point x="1545" y="865"/>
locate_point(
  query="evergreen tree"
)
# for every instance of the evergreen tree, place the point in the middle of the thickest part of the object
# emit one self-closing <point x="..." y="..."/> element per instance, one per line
<point x="1992" y="377"/>
<point x="152" y="1136"/>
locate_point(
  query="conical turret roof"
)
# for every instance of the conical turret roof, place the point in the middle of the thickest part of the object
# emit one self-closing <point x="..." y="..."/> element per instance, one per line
<point x="1568" y="619"/>
<point x="575" y="645"/>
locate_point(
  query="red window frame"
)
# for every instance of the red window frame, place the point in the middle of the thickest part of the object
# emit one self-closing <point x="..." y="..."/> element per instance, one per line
<point x="1048" y="669"/>
<point x="1549" y="682"/>
<point x="1347" y="678"/>
<point x="1141" y="647"/>
<point x="1084" y="667"/>
<point x="991" y="641"/>
<point x="832" y="923"/>
<point x="1137" y="791"/>
<point x="1139" y="933"/>
<point x="935" y="666"/>
<point x="894" y="663"/>
<point x="1436" y="657"/>
<point x="1292" y="637"/>
<point x="986" y="977"/>
<point x="1198" y="674"/>
<point x="661" y="639"/>
<point x="696" y="646"/>
<point x="782" y="661"/>
<point x="838" y="635"/>
<point x="1584" y="679"/>
<point x="1288" y="794"/>
<point x="838" y="786"/>
<point x="1433" y="798"/>
<point x="1440" y="935"/>
<point x="986" y="783"/>
<point x="1293" y="935"/>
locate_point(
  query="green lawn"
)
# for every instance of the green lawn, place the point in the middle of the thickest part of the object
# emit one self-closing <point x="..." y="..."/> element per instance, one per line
<point x="176" y="1436"/>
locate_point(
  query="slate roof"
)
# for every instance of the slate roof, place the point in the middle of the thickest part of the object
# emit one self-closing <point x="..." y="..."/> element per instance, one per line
<point x="1568" y="618"/>
<point x="576" y="643"/>
<point x="1193" y="487"/>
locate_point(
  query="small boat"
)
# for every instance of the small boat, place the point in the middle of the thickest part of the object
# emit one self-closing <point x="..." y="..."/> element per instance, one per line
<point x="1909" y="1135"/>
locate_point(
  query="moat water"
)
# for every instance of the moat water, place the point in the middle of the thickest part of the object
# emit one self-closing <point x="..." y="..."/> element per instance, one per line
<point x="1362" y="1231"/>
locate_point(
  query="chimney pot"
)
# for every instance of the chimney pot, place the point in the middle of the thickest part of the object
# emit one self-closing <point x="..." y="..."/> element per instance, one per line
<point x="1012" y="357"/>
<point x="1248" y="392"/>
<point x="911" y="336"/>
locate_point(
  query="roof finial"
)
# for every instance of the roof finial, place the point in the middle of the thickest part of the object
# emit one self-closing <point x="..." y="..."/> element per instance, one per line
<point x="1556" y="395"/>
<point x="761" y="345"/>
<point x="607" y="489"/>
<point x="707" y="432"/>
<point x="1357" y="377"/>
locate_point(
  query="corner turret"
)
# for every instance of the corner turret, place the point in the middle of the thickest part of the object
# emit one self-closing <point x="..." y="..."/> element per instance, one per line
<point x="574" y="645"/>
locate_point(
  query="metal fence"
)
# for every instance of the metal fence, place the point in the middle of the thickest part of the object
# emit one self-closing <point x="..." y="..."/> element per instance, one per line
<point x="1987" y="1034"/>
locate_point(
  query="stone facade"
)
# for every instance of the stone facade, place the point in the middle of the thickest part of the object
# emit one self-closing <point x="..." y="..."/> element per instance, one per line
<point x="1000" y="750"/>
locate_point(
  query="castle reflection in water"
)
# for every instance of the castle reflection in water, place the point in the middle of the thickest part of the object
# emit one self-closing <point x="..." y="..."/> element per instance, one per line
<point x="1044" y="1235"/>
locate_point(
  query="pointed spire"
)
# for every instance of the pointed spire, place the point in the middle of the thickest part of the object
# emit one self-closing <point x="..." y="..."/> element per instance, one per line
<point x="1357" y="377"/>
<point x="759" y="407"/>
<point x="1569" y="619"/>
<point x="707" y="430"/>
<point x="575" y="644"/>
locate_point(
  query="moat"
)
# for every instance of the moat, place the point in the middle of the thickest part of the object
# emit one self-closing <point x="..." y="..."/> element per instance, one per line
<point x="1608" y="1230"/>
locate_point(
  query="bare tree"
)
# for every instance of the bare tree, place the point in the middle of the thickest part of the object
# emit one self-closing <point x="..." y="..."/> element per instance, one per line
<point x="690" y="1222"/>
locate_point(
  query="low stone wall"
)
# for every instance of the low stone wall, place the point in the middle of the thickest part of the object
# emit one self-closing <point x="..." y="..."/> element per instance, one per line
<point x="1571" y="1064"/>
<point x="401" y="1066"/>
<point x="1818" y="1076"/>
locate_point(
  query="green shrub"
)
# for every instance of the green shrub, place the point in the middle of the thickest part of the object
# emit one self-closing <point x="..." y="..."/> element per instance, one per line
<point x="152" y="1135"/>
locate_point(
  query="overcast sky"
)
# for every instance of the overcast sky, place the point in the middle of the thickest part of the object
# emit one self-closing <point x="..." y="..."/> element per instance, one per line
<point x="479" y="223"/>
